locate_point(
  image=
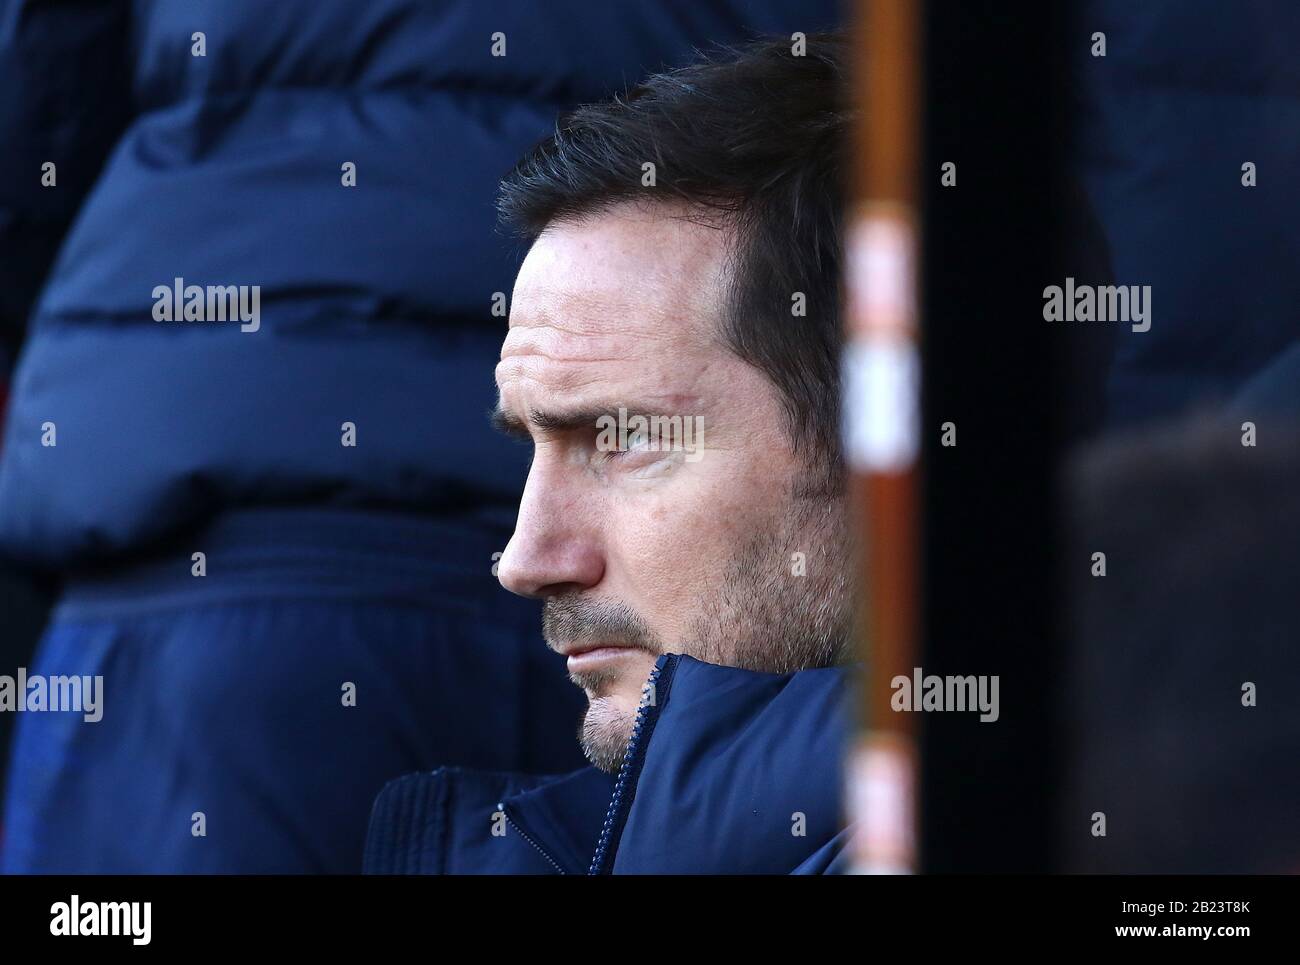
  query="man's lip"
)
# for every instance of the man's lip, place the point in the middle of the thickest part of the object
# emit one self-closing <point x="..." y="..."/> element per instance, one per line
<point x="588" y="657"/>
<point x="577" y="650"/>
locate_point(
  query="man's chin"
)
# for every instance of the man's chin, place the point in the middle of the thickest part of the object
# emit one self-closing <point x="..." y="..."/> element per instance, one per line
<point x="606" y="730"/>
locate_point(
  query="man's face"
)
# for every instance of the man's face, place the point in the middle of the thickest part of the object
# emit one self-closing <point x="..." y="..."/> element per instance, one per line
<point x="650" y="549"/>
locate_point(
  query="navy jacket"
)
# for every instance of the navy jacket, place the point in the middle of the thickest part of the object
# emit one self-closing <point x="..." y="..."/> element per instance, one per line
<point x="728" y="772"/>
<point x="226" y="169"/>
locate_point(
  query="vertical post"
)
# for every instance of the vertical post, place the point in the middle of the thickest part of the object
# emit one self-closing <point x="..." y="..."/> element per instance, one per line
<point x="881" y="416"/>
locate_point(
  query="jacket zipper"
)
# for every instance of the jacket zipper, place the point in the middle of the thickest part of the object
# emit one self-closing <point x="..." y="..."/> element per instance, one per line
<point x="647" y="714"/>
<point x="527" y="837"/>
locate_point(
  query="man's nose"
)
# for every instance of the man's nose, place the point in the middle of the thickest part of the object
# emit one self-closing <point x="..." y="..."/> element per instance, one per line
<point x="554" y="549"/>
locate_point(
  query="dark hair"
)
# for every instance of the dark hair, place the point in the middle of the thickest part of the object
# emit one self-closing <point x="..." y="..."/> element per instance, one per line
<point x="756" y="137"/>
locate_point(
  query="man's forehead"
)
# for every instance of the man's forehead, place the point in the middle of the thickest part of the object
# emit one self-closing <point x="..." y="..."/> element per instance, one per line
<point x="620" y="306"/>
<point x="631" y="272"/>
<point x="550" y="362"/>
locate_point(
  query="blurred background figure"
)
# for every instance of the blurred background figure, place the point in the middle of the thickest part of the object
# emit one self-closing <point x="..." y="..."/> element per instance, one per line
<point x="1180" y="731"/>
<point x="276" y="542"/>
<point x="1183" y="672"/>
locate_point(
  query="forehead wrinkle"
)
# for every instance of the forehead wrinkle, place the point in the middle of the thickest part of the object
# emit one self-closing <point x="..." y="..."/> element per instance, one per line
<point x="549" y="377"/>
<point x="634" y="307"/>
<point x="559" y="344"/>
<point x="577" y="383"/>
<point x="562" y="315"/>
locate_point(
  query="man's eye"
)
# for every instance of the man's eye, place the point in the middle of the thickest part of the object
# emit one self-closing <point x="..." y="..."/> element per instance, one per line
<point x="636" y="442"/>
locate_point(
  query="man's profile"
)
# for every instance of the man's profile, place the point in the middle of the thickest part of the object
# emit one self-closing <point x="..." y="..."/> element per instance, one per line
<point x="677" y="299"/>
<point x="706" y="295"/>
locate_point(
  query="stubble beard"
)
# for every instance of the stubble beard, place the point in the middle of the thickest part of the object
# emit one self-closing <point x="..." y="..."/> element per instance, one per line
<point x="762" y="617"/>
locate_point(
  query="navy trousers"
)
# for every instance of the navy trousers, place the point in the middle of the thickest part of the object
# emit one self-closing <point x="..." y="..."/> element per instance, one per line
<point x="251" y="715"/>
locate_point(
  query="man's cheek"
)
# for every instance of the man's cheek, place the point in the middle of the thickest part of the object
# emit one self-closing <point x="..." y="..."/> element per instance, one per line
<point x="672" y="546"/>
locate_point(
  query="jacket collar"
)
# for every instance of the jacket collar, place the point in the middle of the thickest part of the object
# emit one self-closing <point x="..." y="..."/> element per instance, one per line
<point x="730" y="771"/>
<point x="739" y="772"/>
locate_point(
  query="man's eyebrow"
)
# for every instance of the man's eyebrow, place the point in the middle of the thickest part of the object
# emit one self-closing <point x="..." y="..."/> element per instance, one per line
<point x="568" y="420"/>
<point x="510" y="424"/>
